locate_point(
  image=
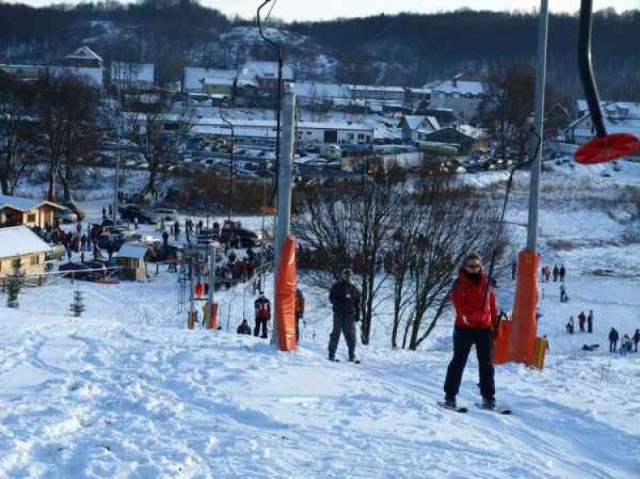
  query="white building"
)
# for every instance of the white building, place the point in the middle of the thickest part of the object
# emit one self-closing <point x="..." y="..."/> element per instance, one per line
<point x="618" y="117"/>
<point x="463" y="97"/>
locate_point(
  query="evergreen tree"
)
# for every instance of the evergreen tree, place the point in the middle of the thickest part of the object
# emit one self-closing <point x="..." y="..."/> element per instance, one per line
<point x="77" y="307"/>
<point x="15" y="280"/>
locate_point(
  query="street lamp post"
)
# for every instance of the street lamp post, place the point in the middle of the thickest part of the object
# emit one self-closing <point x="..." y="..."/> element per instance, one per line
<point x="231" y="161"/>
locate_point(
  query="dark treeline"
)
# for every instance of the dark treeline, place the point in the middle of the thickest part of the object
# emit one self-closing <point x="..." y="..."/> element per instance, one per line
<point x="406" y="49"/>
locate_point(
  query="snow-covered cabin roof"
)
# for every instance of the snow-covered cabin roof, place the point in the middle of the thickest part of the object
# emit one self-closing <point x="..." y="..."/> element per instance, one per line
<point x="621" y="109"/>
<point x="582" y="128"/>
<point x="134" y="72"/>
<point x="133" y="250"/>
<point x="24" y="204"/>
<point x="84" y="53"/>
<point x="195" y="77"/>
<point x="462" y="87"/>
<point x="321" y="90"/>
<point x="414" y="122"/>
<point x="267" y="70"/>
<point x="19" y="241"/>
<point x="471" y="131"/>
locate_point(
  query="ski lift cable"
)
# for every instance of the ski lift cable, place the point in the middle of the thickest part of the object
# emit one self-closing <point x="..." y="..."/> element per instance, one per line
<point x="604" y="147"/>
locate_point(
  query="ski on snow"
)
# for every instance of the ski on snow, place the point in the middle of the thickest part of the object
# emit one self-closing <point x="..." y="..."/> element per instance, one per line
<point x="498" y="409"/>
<point x="460" y="409"/>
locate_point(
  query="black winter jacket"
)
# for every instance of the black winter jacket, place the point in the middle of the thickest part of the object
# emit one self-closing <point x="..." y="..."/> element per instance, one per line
<point x="345" y="298"/>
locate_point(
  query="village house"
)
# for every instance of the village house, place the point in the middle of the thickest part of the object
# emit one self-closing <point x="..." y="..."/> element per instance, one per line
<point x="462" y="96"/>
<point x="83" y="63"/>
<point x="618" y="117"/>
<point x="16" y="211"/>
<point x="413" y="126"/>
<point x="21" y="242"/>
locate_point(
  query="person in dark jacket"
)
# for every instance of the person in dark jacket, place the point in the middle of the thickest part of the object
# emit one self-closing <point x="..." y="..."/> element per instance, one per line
<point x="613" y="340"/>
<point x="590" y="322"/>
<point x="556" y="273"/>
<point x="562" y="272"/>
<point x="476" y="323"/>
<point x="244" y="328"/>
<point x="582" y="319"/>
<point x="345" y="298"/>
<point x="636" y="340"/>
<point x="263" y="315"/>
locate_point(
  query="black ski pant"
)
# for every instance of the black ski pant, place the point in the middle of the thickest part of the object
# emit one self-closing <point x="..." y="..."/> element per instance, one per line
<point x="344" y="323"/>
<point x="463" y="339"/>
<point x="613" y="346"/>
<point x="261" y="323"/>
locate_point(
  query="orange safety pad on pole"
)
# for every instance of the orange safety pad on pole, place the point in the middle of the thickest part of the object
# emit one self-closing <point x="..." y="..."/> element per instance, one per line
<point x="541" y="352"/>
<point x="212" y="322"/>
<point x="501" y="344"/>
<point x="286" y="296"/>
<point x="522" y="340"/>
<point x="199" y="290"/>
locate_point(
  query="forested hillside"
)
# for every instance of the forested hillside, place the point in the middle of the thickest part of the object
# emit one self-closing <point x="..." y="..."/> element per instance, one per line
<point x="406" y="49"/>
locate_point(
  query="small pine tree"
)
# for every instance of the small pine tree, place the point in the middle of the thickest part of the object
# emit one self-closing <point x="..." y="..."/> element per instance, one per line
<point x="15" y="280"/>
<point x="77" y="307"/>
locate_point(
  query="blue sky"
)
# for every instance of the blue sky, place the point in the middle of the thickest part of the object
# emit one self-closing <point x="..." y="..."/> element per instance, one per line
<point x="327" y="9"/>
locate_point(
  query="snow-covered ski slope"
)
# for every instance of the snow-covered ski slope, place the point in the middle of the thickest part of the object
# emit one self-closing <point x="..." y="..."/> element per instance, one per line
<point x="127" y="391"/>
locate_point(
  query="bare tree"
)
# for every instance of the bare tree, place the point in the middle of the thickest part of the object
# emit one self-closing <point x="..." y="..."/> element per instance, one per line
<point x="157" y="130"/>
<point x="16" y="131"/>
<point x="68" y="109"/>
<point x="435" y="231"/>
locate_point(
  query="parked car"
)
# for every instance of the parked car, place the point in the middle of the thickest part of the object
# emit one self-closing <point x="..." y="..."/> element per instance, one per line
<point x="246" y="238"/>
<point x="159" y="214"/>
<point x="65" y="215"/>
<point x="74" y="270"/>
<point x="130" y="212"/>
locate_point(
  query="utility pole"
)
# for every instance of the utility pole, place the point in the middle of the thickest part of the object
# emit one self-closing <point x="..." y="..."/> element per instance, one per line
<point x="538" y="125"/>
<point x="283" y="219"/>
<point x="522" y="338"/>
<point x="233" y="143"/>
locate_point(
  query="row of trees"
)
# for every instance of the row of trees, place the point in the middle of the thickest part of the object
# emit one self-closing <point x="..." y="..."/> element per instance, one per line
<point x="420" y="234"/>
<point x="63" y="123"/>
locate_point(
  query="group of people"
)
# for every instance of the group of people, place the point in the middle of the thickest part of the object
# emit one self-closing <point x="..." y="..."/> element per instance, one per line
<point x="627" y="345"/>
<point x="583" y="320"/>
<point x="558" y="273"/>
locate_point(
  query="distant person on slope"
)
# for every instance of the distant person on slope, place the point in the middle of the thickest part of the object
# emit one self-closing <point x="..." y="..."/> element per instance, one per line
<point x="263" y="314"/>
<point x="582" y="319"/>
<point x="299" y="312"/>
<point x="244" y="328"/>
<point x="345" y="298"/>
<point x="613" y="340"/>
<point x="636" y="340"/>
<point x="476" y="321"/>
<point x="590" y="322"/>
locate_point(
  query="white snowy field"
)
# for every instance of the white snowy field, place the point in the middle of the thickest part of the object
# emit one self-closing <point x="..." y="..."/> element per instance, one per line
<point x="127" y="391"/>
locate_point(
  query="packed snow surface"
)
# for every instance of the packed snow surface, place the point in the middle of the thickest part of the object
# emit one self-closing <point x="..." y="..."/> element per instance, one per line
<point x="127" y="391"/>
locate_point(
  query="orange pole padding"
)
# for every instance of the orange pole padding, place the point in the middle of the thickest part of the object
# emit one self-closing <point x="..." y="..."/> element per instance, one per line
<point x="501" y="343"/>
<point x="191" y="319"/>
<point x="199" y="290"/>
<point x="285" y="297"/>
<point x="212" y="322"/>
<point x="541" y="352"/>
<point x="522" y="340"/>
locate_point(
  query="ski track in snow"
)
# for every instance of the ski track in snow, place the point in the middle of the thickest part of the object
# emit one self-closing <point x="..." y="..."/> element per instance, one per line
<point x="126" y="391"/>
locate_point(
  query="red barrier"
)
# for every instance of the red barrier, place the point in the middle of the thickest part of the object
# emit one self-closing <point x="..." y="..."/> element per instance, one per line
<point x="212" y="322"/>
<point x="522" y="340"/>
<point x="286" y="296"/>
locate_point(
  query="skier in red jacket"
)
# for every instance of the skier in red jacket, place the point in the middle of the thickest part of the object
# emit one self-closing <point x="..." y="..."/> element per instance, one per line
<point x="476" y="320"/>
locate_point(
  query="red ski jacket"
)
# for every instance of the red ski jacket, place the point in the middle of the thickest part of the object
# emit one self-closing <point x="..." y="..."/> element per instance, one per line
<point x="467" y="299"/>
